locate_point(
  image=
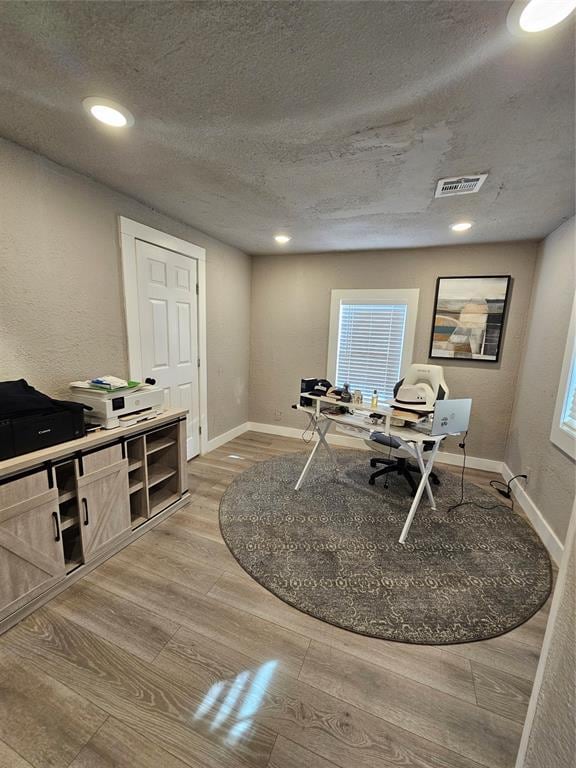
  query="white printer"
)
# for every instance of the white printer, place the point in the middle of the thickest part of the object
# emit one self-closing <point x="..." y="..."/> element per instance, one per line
<point x="122" y="407"/>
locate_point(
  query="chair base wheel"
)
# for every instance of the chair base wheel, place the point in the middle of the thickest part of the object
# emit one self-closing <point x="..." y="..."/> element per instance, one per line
<point x="371" y="481"/>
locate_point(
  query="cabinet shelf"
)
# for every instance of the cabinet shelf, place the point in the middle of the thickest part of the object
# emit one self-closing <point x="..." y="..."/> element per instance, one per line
<point x="135" y="485"/>
<point x="68" y="511"/>
<point x="160" y="499"/>
<point x="158" y="444"/>
<point x="68" y="522"/>
<point x="156" y="474"/>
<point x="134" y="464"/>
<point x="66" y="496"/>
<point x="71" y="565"/>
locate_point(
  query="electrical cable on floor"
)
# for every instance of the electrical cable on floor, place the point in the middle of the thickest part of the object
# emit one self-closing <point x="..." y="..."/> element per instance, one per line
<point x="505" y="489"/>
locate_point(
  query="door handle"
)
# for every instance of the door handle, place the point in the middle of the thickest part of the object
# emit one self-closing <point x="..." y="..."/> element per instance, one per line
<point x="85" y="505"/>
<point x="56" y="526"/>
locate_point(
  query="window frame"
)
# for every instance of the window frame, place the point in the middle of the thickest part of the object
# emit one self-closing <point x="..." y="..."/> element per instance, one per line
<point x="408" y="296"/>
<point x="564" y="437"/>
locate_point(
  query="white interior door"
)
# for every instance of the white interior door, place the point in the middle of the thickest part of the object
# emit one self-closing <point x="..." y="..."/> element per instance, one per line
<point x="168" y="311"/>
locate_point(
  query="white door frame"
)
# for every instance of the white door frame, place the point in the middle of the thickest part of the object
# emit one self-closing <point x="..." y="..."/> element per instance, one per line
<point x="130" y="232"/>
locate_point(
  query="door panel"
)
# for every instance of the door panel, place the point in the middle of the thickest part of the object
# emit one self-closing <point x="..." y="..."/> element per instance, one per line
<point x="168" y="310"/>
<point x="104" y="507"/>
<point x="104" y="457"/>
<point x="31" y="552"/>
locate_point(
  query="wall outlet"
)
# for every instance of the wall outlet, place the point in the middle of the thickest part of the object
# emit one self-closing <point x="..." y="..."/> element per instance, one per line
<point x="529" y="473"/>
<point x="277" y="415"/>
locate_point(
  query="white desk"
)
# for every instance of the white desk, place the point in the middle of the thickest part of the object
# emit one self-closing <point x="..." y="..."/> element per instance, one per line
<point x="356" y="425"/>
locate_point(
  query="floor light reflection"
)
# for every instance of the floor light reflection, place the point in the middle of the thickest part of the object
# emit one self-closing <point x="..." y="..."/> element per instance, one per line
<point x="209" y="700"/>
<point x="240" y="701"/>
<point x="227" y="706"/>
<point x="260" y="683"/>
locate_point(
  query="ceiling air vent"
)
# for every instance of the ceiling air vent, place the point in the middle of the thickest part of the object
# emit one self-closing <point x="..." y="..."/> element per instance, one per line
<point x="460" y="185"/>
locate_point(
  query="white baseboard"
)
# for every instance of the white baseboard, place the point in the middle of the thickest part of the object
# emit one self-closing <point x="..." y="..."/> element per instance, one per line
<point x="474" y="462"/>
<point x="549" y="538"/>
<point x="533" y="513"/>
<point x="274" y="429"/>
<point x="219" y="440"/>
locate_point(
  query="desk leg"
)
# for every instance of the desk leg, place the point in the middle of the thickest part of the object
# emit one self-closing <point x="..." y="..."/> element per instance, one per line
<point x="321" y="432"/>
<point x="425" y="469"/>
<point x="422" y="466"/>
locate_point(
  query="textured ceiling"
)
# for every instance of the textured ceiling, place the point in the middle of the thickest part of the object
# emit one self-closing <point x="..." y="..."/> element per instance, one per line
<point x="329" y="120"/>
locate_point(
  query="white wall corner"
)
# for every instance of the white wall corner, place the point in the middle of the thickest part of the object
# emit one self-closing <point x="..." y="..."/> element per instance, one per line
<point x="219" y="440"/>
<point x="534" y="514"/>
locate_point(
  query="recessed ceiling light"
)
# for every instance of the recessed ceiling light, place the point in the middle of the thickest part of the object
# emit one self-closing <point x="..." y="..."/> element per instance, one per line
<point x="543" y="14"/>
<point x="282" y="239"/>
<point x="461" y="226"/>
<point x="538" y="15"/>
<point x="108" y="112"/>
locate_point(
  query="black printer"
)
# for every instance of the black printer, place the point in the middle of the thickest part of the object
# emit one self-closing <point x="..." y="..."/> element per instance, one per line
<point x="30" y="420"/>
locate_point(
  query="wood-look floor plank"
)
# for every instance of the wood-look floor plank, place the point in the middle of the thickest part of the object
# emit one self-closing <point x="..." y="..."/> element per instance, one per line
<point x="200" y="520"/>
<point x="169" y="563"/>
<point x="464" y="728"/>
<point x="502" y="693"/>
<point x="287" y="754"/>
<point x="426" y="664"/>
<point x="155" y="705"/>
<point x="11" y="759"/>
<point x="207" y="662"/>
<point x="179" y="539"/>
<point x="322" y="724"/>
<point x="532" y="631"/>
<point x="116" y="745"/>
<point x="226" y="624"/>
<point x="500" y="653"/>
<point x="205" y="470"/>
<point x="41" y="719"/>
<point x="120" y="621"/>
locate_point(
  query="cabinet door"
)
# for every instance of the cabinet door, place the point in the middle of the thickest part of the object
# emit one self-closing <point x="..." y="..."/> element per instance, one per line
<point x="104" y="507"/>
<point x="31" y="552"/>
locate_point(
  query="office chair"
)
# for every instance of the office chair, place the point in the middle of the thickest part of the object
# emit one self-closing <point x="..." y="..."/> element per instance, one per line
<point x="422" y="386"/>
<point x="398" y="464"/>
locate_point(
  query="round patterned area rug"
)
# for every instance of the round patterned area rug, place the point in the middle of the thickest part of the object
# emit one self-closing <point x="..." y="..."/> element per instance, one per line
<point x="331" y="550"/>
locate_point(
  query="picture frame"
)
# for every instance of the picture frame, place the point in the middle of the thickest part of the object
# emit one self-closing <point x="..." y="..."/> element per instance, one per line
<point x="469" y="317"/>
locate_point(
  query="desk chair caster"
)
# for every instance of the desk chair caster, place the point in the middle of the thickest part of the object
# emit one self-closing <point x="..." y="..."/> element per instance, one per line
<point x="401" y="467"/>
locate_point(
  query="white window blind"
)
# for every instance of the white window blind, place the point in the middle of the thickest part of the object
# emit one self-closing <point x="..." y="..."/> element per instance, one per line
<point x="370" y="346"/>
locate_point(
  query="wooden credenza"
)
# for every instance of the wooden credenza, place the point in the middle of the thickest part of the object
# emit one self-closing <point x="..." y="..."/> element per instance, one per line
<point x="65" y="509"/>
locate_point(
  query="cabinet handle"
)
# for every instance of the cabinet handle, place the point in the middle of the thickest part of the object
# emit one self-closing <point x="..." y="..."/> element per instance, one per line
<point x="85" y="505"/>
<point x="56" y="526"/>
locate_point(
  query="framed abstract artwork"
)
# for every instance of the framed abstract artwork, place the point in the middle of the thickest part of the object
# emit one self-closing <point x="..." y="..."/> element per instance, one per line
<point x="469" y="314"/>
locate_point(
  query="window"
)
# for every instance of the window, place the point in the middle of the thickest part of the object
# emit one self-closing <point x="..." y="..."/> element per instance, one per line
<point x="371" y="338"/>
<point x="563" y="432"/>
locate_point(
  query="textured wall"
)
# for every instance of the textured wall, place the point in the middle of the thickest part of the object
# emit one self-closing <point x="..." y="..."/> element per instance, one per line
<point x="551" y="741"/>
<point x="290" y="320"/>
<point x="61" y="305"/>
<point x="552" y="474"/>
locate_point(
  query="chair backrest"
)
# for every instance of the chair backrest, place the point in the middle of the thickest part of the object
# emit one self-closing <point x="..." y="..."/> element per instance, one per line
<point x="432" y="375"/>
